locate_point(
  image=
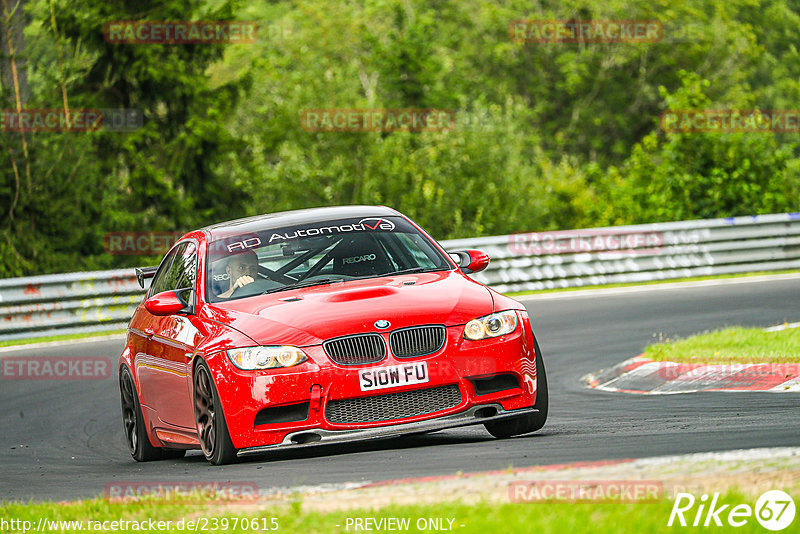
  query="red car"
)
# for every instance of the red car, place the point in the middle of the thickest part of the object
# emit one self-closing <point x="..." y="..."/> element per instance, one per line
<point x="321" y="326"/>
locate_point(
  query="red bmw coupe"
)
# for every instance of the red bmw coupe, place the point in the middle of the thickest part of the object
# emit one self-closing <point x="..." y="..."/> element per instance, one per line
<point x="321" y="326"/>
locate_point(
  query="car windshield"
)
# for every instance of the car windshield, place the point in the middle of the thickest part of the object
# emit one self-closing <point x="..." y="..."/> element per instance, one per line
<point x="279" y="259"/>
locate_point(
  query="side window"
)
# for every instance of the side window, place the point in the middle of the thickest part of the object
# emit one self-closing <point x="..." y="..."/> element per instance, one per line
<point x="417" y="248"/>
<point x="181" y="271"/>
<point x="160" y="280"/>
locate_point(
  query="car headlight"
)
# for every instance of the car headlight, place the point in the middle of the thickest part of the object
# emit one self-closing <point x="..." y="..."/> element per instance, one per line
<point x="496" y="324"/>
<point x="252" y="358"/>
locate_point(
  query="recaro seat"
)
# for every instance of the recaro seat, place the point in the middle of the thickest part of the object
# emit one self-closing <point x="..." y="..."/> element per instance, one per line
<point x="360" y="255"/>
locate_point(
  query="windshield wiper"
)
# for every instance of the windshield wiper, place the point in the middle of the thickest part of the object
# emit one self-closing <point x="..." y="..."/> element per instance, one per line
<point x="330" y="280"/>
<point x="304" y="283"/>
<point x="418" y="270"/>
<point x="407" y="271"/>
<point x="402" y="271"/>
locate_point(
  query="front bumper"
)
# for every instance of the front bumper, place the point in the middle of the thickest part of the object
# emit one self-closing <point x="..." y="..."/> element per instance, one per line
<point x="458" y="364"/>
<point x="319" y="436"/>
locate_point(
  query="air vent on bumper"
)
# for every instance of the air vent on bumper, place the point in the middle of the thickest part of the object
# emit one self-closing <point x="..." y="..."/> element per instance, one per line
<point x="493" y="384"/>
<point x="283" y="414"/>
<point x="393" y="405"/>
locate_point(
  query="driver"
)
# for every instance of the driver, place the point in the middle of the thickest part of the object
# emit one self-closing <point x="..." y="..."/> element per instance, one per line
<point x="242" y="269"/>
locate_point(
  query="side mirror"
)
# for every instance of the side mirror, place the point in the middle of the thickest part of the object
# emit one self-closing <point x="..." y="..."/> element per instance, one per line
<point x="144" y="273"/>
<point x="470" y="261"/>
<point x="170" y="302"/>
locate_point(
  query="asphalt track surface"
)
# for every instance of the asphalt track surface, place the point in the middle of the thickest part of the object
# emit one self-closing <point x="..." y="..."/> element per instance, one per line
<point x="62" y="440"/>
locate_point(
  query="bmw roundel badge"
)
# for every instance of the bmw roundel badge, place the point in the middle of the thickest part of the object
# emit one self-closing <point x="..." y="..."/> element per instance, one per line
<point x="382" y="323"/>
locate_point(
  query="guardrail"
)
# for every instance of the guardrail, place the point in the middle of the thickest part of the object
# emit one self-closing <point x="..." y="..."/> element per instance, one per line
<point x="640" y="253"/>
<point x="105" y="300"/>
<point x="67" y="303"/>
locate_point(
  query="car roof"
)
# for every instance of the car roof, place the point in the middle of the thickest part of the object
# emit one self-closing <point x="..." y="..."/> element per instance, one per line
<point x="294" y="217"/>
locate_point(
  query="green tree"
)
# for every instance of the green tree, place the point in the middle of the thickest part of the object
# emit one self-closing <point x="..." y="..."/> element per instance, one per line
<point x="677" y="176"/>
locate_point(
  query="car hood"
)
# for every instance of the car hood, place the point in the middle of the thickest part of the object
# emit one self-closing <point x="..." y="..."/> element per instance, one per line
<point x="309" y="316"/>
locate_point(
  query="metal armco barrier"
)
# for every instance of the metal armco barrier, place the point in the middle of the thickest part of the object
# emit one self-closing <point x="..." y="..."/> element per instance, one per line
<point x="67" y="303"/>
<point x="640" y="253"/>
<point x="105" y="300"/>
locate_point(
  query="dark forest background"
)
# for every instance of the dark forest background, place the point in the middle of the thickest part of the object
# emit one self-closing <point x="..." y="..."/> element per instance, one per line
<point x="548" y="136"/>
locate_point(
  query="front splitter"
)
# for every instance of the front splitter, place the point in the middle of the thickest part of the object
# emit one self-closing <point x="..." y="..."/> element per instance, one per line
<point x="476" y="415"/>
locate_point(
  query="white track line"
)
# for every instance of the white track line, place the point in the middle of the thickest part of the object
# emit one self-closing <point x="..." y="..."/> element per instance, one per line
<point x="780" y="327"/>
<point x="578" y="293"/>
<point x="63" y="342"/>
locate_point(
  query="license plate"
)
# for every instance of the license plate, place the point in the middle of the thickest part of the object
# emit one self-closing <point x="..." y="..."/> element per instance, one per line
<point x="394" y="376"/>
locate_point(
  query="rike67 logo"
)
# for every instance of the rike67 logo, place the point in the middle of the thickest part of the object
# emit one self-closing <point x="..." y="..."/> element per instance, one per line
<point x="774" y="510"/>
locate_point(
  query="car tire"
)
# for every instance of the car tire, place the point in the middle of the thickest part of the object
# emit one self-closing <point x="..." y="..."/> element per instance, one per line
<point x="525" y="424"/>
<point x="133" y="424"/>
<point x="212" y="430"/>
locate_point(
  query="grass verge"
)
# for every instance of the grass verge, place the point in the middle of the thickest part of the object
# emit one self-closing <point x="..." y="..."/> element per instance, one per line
<point x="481" y="517"/>
<point x="731" y="345"/>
